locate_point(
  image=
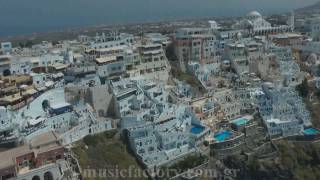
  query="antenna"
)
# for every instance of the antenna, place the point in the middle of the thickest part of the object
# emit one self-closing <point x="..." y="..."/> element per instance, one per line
<point x="291" y="21"/>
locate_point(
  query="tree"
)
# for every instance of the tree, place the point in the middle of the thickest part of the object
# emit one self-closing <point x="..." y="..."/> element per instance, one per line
<point x="318" y="69"/>
<point x="303" y="88"/>
<point x="170" y="53"/>
<point x="21" y="44"/>
<point x="29" y="44"/>
<point x="55" y="43"/>
<point x="45" y="104"/>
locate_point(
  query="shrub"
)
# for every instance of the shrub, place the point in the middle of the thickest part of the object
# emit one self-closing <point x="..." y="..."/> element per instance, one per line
<point x="90" y="140"/>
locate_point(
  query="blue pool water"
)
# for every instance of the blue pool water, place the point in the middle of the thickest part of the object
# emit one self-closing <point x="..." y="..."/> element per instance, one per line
<point x="240" y="121"/>
<point x="196" y="129"/>
<point x="223" y="135"/>
<point x="311" y="131"/>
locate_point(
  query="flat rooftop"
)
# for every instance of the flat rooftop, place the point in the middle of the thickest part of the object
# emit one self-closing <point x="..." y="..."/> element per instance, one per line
<point x="59" y="105"/>
<point x="42" y="143"/>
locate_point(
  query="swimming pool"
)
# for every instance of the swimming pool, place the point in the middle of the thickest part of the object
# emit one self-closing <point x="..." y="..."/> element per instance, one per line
<point x="240" y="121"/>
<point x="196" y="129"/>
<point x="223" y="135"/>
<point x="311" y="131"/>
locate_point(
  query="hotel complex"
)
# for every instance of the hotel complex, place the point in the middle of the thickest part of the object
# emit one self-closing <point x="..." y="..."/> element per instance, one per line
<point x="231" y="90"/>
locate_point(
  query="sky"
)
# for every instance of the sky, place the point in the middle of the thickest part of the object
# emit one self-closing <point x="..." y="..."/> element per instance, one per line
<point x="29" y="16"/>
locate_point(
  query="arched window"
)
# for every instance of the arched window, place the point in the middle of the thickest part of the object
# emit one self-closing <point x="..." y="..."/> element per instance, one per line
<point x="47" y="176"/>
<point x="36" y="178"/>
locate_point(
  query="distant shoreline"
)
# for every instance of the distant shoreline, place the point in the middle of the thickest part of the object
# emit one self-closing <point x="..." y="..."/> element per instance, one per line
<point x="70" y="33"/>
<point x="22" y="18"/>
<point x="96" y="26"/>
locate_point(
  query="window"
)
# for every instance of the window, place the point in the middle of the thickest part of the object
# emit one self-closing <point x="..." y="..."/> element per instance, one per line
<point x="47" y="176"/>
<point x="36" y="178"/>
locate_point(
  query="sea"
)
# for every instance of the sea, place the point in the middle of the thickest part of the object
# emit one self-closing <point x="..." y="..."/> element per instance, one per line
<point x="20" y="17"/>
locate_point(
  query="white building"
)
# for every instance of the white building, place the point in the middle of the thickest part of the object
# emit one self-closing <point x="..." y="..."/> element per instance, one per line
<point x="6" y="47"/>
<point x="154" y="63"/>
<point x="5" y="62"/>
<point x="158" y="132"/>
<point x="112" y="40"/>
<point x="213" y="24"/>
<point x="20" y="66"/>
<point x="283" y="110"/>
<point x="283" y="128"/>
<point x="40" y="80"/>
<point x="254" y="24"/>
<point x="157" y="38"/>
<point x="309" y="26"/>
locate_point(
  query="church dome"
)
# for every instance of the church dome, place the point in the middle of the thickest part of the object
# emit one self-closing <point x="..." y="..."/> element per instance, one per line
<point x="254" y="14"/>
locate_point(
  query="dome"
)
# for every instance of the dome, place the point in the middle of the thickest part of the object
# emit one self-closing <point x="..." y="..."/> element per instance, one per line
<point x="254" y="14"/>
